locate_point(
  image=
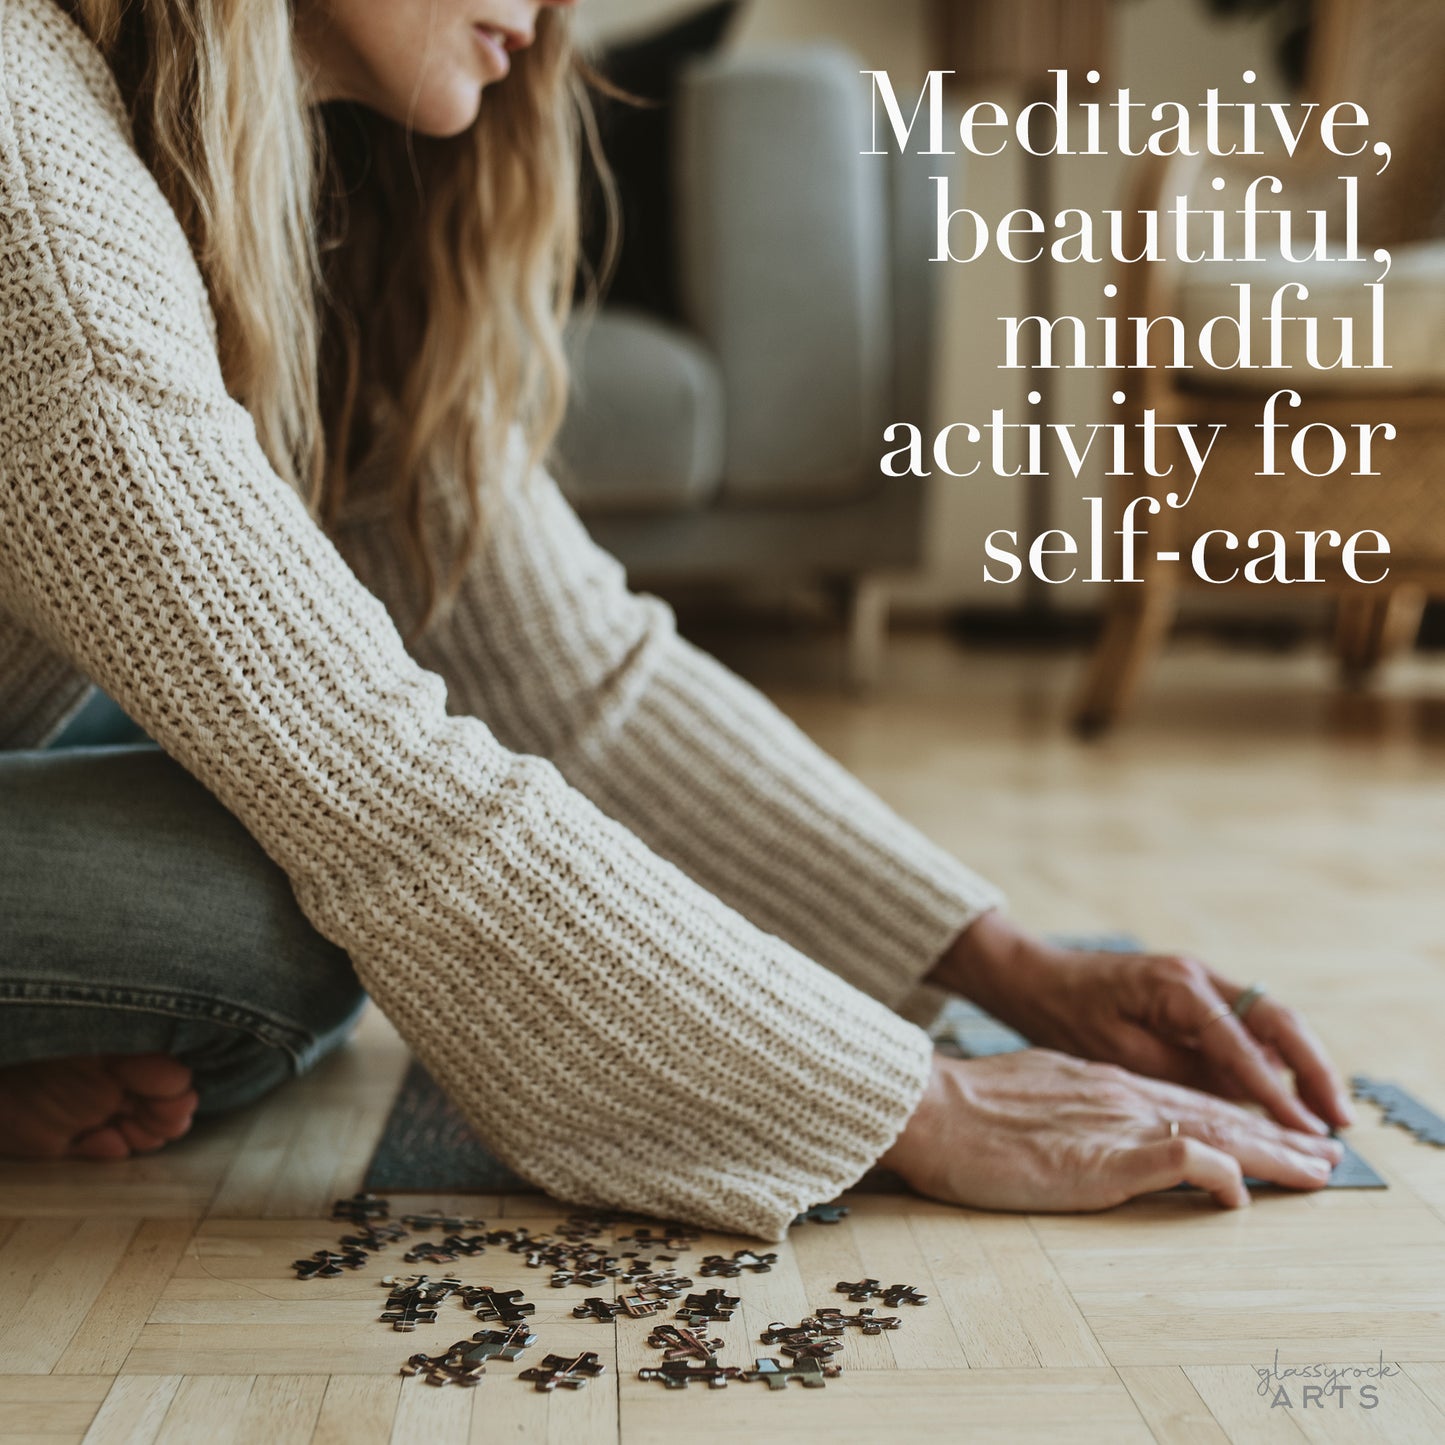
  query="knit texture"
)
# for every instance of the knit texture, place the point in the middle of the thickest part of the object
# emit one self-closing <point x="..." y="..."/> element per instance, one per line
<point x="647" y="935"/>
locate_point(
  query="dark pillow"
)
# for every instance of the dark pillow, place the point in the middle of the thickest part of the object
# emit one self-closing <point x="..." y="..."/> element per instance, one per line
<point x="637" y="141"/>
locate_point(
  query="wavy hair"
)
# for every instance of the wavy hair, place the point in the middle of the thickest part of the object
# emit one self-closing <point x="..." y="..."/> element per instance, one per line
<point x="371" y="285"/>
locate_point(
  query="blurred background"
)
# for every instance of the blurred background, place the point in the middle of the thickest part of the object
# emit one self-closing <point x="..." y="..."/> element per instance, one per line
<point x="773" y="307"/>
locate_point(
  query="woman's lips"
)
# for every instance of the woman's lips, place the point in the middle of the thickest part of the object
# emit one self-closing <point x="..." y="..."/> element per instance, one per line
<point x="493" y="44"/>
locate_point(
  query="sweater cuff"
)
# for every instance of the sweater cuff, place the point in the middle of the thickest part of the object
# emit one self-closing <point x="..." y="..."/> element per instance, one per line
<point x="904" y="1083"/>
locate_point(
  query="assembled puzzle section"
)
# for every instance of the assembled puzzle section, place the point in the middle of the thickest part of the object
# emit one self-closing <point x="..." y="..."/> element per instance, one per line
<point x="1401" y="1109"/>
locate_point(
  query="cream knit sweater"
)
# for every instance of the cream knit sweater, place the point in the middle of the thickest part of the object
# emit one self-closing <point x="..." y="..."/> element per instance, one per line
<point x="647" y="934"/>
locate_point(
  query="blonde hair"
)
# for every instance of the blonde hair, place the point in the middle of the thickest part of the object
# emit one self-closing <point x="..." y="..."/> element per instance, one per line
<point x="368" y="282"/>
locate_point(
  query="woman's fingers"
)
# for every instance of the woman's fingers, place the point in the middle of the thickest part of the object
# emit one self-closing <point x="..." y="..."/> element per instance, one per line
<point x="1190" y="1000"/>
<point x="1277" y="1161"/>
<point x="1043" y="1130"/>
<point x="1227" y="1043"/>
<point x="1173" y="998"/>
<point x="1232" y="1128"/>
<point x="1163" y="1163"/>
<point x="1288" y="1037"/>
<point x="1220" y="1167"/>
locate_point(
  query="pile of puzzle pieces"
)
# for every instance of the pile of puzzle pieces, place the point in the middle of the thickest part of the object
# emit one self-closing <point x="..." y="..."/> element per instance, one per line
<point x="644" y="1263"/>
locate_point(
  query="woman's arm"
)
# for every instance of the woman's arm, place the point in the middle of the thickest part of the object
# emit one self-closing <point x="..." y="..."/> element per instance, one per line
<point x="615" y="1032"/>
<point x="551" y="648"/>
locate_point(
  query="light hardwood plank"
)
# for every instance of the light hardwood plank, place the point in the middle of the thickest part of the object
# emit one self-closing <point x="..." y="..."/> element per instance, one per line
<point x="440" y="1415"/>
<point x="110" y="1327"/>
<point x="206" y="1407"/>
<point x="983" y="1308"/>
<point x="78" y="1259"/>
<point x="133" y="1411"/>
<point x="48" y="1406"/>
<point x="1171" y="1406"/>
<point x="357" y="1410"/>
<point x="1003" y="1407"/>
<point x="281" y="1410"/>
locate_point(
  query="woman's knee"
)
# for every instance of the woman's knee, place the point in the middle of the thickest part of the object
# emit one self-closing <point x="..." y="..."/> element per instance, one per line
<point x="136" y="907"/>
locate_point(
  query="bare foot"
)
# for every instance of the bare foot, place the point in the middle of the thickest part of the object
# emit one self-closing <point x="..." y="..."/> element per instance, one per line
<point x="106" y="1106"/>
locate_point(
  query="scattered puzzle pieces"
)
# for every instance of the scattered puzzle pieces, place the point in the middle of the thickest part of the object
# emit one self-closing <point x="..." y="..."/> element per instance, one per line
<point x="702" y="1309"/>
<point x="361" y="1209"/>
<point x="822" y="1214"/>
<point x="679" y="1374"/>
<point x="491" y="1303"/>
<point x="604" y="1311"/>
<point x="488" y="1345"/>
<point x="719" y="1264"/>
<point x="903" y="1294"/>
<point x="443" y="1370"/>
<point x="773" y="1373"/>
<point x="414" y="1299"/>
<point x="799" y="1342"/>
<point x="639" y="1306"/>
<point x="442" y="1223"/>
<point x="375" y="1236"/>
<point x="468" y="1245"/>
<point x="326" y="1265"/>
<point x="429" y="1253"/>
<point x="835" y="1322"/>
<point x="568" y="1372"/>
<point x="679" y="1343"/>
<point x="406" y="1314"/>
<point x="689" y="1354"/>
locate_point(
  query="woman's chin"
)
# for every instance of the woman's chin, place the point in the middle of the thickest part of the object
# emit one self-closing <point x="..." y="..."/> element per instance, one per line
<point x="441" y="112"/>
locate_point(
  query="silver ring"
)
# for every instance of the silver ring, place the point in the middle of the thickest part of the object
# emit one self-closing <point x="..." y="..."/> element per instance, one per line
<point x="1248" y="999"/>
<point x="1173" y="1128"/>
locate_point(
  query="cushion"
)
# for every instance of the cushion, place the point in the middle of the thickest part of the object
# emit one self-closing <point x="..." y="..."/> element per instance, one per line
<point x="1414" y="320"/>
<point x="645" y="425"/>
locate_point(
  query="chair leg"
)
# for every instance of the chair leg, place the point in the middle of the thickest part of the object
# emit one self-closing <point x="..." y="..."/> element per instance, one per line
<point x="1133" y="633"/>
<point x="867" y="609"/>
<point x="1371" y="629"/>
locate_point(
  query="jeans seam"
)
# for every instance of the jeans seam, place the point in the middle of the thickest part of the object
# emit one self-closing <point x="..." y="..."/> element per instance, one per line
<point x="170" y="1004"/>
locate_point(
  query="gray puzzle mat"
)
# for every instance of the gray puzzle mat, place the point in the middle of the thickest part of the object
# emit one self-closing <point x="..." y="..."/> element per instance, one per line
<point x="428" y="1147"/>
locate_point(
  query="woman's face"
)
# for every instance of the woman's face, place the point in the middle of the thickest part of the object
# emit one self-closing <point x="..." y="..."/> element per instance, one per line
<point x="424" y="63"/>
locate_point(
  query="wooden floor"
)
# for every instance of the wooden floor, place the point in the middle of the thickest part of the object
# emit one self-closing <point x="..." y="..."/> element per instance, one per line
<point x="1248" y="813"/>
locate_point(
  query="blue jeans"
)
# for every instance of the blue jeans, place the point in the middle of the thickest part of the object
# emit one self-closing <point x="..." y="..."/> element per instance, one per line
<point x="138" y="916"/>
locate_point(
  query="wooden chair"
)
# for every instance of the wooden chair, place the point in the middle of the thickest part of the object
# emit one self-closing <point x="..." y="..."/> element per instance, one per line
<point x="1389" y="55"/>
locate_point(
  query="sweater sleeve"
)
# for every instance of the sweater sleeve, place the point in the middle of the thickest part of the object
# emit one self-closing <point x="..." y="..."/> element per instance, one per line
<point x="549" y="645"/>
<point x="615" y="1032"/>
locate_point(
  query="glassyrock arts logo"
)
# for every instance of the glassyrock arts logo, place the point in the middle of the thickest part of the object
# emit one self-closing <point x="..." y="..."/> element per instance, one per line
<point x="1321" y="1386"/>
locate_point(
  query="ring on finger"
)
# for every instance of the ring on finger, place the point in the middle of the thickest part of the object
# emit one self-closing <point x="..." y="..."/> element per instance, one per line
<point x="1248" y="999"/>
<point x="1172" y="1125"/>
<point x="1222" y="1012"/>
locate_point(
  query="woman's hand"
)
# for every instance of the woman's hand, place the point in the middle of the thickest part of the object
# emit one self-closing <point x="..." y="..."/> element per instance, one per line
<point x="1044" y="1131"/>
<point x="1155" y="1014"/>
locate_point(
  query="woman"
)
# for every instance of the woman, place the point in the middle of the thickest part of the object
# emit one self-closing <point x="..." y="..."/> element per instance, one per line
<point x="281" y="289"/>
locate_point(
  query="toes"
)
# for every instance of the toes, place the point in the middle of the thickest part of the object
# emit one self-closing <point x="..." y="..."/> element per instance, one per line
<point x="166" y="1118"/>
<point x="70" y="1094"/>
<point x="94" y="1107"/>
<point x="154" y="1075"/>
<point x="103" y="1143"/>
<point x="140" y="1139"/>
